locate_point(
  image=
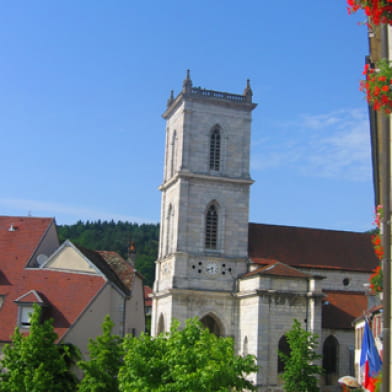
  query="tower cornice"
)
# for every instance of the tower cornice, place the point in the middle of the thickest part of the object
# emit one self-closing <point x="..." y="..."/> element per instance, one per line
<point x="192" y="292"/>
<point x="185" y="174"/>
<point x="198" y="94"/>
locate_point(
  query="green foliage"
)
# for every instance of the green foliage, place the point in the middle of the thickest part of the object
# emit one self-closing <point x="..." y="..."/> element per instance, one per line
<point x="100" y="372"/>
<point x="191" y="359"/>
<point x="300" y="372"/>
<point x="103" y="235"/>
<point x="35" y="363"/>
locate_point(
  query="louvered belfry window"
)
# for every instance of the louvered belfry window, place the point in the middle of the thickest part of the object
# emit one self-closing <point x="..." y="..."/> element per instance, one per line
<point x="215" y="149"/>
<point x="211" y="228"/>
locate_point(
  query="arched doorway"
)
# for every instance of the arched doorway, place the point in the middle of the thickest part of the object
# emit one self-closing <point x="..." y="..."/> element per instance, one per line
<point x="283" y="347"/>
<point x="330" y="360"/>
<point x="213" y="324"/>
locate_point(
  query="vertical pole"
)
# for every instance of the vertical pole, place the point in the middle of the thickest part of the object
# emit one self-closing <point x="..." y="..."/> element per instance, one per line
<point x="386" y="237"/>
<point x="386" y="175"/>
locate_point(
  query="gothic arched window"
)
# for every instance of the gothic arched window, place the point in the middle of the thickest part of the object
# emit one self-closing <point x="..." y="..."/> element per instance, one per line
<point x="211" y="234"/>
<point x="330" y="359"/>
<point x="215" y="149"/>
<point x="169" y="229"/>
<point x="173" y="161"/>
<point x="245" y="346"/>
<point x="283" y="347"/>
<point x="161" y="325"/>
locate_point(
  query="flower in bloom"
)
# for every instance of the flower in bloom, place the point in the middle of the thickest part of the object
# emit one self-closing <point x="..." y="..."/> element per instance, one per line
<point x="376" y="240"/>
<point x="376" y="280"/>
<point x="378" y="11"/>
<point x="378" y="215"/>
<point x="377" y="84"/>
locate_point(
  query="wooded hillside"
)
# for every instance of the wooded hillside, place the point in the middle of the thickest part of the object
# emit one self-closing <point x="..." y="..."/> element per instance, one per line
<point x="116" y="236"/>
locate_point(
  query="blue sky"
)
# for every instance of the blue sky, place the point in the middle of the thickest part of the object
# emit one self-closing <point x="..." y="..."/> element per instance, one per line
<point x="84" y="84"/>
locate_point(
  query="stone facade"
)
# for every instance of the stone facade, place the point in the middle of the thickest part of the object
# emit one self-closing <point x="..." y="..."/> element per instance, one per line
<point x="213" y="278"/>
<point x="191" y="186"/>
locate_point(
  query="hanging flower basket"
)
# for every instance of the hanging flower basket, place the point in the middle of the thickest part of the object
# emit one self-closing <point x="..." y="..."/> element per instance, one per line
<point x="379" y="214"/>
<point x="377" y="86"/>
<point x="376" y="278"/>
<point x="378" y="11"/>
<point x="378" y="249"/>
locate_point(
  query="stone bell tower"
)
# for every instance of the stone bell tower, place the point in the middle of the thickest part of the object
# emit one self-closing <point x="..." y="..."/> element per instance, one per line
<point x="204" y="210"/>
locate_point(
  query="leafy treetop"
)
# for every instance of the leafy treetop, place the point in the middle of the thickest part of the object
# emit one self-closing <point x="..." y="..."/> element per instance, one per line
<point x="188" y="359"/>
<point x="300" y="371"/>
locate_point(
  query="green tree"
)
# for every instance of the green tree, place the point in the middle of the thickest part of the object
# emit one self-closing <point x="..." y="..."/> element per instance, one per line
<point x="100" y="372"/>
<point x="35" y="363"/>
<point x="190" y="359"/>
<point x="300" y="372"/>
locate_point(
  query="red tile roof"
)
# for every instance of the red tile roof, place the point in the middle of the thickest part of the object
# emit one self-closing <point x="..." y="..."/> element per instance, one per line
<point x="103" y="266"/>
<point x="20" y="236"/>
<point x="278" y="269"/>
<point x="121" y="268"/>
<point x="313" y="248"/>
<point x="341" y="308"/>
<point x="65" y="294"/>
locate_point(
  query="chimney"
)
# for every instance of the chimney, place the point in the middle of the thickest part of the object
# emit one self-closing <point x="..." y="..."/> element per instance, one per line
<point x="132" y="254"/>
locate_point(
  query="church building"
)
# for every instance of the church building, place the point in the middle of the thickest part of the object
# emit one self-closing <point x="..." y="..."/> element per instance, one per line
<point x="247" y="280"/>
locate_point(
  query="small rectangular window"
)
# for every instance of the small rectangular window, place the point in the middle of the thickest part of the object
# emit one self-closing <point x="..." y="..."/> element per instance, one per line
<point x="25" y="313"/>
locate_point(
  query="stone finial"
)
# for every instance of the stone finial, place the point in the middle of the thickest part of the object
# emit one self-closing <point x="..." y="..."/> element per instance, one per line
<point x="248" y="93"/>
<point x="171" y="98"/>
<point x="187" y="83"/>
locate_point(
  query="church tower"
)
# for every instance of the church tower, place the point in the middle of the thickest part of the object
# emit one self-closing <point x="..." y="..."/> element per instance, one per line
<point x="204" y="212"/>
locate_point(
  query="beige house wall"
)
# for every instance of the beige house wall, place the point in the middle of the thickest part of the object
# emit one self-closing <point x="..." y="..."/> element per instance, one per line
<point x="70" y="259"/>
<point x="89" y="323"/>
<point x="126" y="313"/>
<point x="135" y="322"/>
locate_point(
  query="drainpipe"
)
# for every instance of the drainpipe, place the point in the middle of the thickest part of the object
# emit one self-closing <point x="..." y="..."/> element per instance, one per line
<point x="124" y="316"/>
<point x="386" y="200"/>
<point x="307" y="305"/>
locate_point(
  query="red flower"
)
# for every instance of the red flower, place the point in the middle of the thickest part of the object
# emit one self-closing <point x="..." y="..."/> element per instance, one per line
<point x="378" y="11"/>
<point x="376" y="279"/>
<point x="376" y="86"/>
<point x="376" y="240"/>
<point x="365" y="69"/>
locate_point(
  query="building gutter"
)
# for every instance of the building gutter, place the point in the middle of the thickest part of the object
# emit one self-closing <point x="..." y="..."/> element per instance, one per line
<point x="124" y="310"/>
